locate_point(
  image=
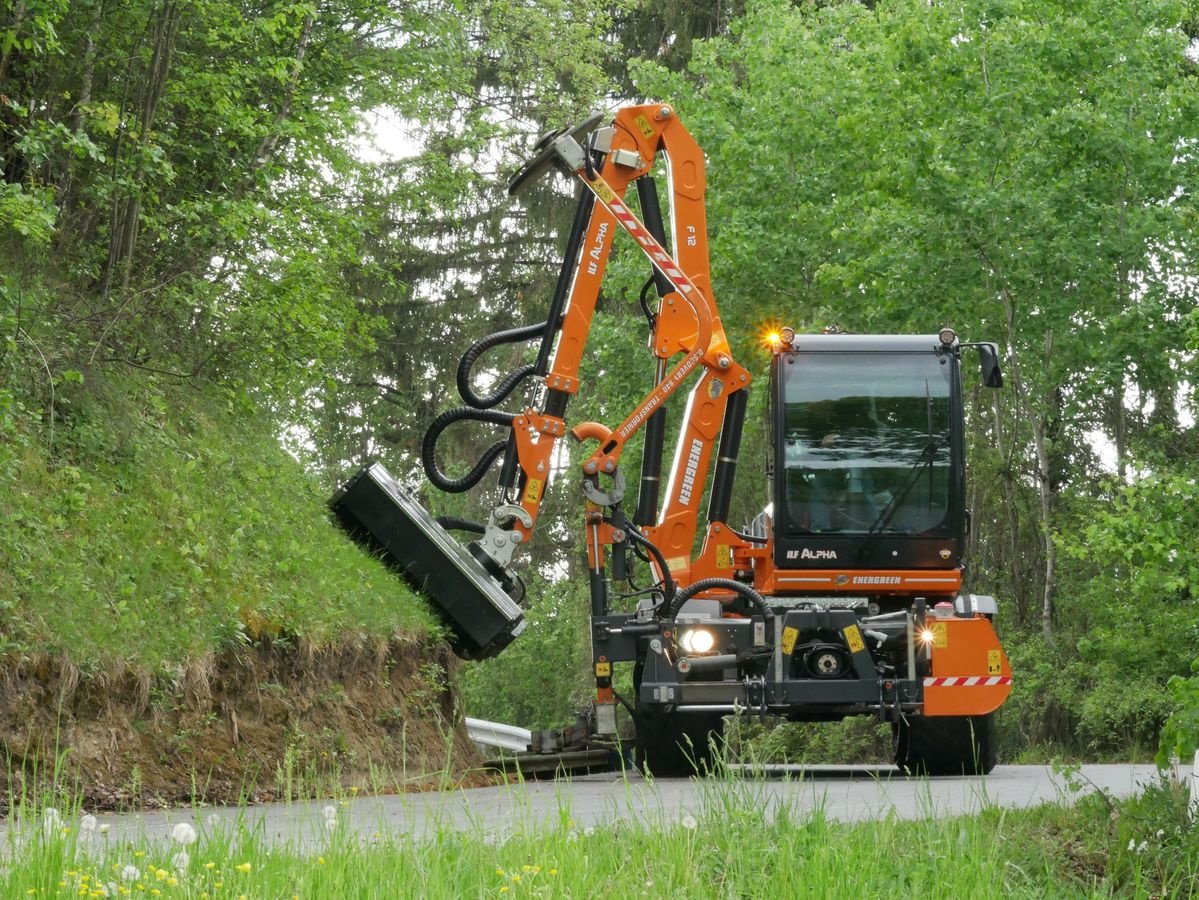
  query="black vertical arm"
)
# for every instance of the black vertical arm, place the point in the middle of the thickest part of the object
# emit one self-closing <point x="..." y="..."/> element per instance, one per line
<point x="726" y="456"/>
<point x="556" y="405"/>
<point x="655" y="425"/>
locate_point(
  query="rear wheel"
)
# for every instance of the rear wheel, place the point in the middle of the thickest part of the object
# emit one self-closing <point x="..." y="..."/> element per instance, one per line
<point x="946" y="745"/>
<point x="675" y="745"/>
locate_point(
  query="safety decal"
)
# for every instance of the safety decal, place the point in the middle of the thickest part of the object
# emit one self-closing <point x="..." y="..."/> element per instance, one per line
<point x="724" y="556"/>
<point x="603" y="670"/>
<point x="853" y="637"/>
<point x="940" y="635"/>
<point x="677" y="563"/>
<point x="968" y="681"/>
<point x="994" y="662"/>
<point x="789" y="636"/>
<point x="644" y="124"/>
<point x="533" y="491"/>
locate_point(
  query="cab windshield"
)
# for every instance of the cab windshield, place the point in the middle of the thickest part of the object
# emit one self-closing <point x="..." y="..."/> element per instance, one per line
<point x="866" y="443"/>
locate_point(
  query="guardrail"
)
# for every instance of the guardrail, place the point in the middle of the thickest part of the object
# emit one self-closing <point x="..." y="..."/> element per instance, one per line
<point x="495" y="734"/>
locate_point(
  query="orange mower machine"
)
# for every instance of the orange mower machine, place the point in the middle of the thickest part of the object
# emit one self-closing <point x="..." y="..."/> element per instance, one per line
<point x="842" y="597"/>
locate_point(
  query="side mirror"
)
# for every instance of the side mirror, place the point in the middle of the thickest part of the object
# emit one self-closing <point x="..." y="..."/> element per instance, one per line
<point x="988" y="365"/>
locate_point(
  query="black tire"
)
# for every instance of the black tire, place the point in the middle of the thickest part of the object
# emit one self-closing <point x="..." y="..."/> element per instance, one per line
<point x="946" y="745"/>
<point x="677" y="745"/>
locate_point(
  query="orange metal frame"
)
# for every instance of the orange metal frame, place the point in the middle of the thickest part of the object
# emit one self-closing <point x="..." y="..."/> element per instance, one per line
<point x="689" y="325"/>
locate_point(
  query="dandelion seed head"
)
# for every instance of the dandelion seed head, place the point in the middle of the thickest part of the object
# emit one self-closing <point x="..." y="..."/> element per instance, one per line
<point x="180" y="861"/>
<point x="130" y="873"/>
<point x="688" y="822"/>
<point x="330" y="812"/>
<point x="183" y="833"/>
<point x="87" y="823"/>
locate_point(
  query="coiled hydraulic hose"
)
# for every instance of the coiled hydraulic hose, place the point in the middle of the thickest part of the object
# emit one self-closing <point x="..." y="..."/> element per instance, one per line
<point x="709" y="584"/>
<point x="428" y="450"/>
<point x="510" y="381"/>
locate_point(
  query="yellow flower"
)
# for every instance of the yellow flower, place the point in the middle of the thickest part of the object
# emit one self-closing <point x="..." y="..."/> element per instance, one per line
<point x="353" y="791"/>
<point x="553" y="871"/>
<point x="172" y="881"/>
<point x="504" y="889"/>
<point x="516" y="878"/>
<point x="155" y="891"/>
<point x="320" y="860"/>
<point x="243" y="867"/>
<point x="536" y="869"/>
<point x="526" y="868"/>
<point x="499" y="871"/>
<point x="210" y="865"/>
<point x="139" y="852"/>
<point x="161" y="874"/>
<point x="218" y="884"/>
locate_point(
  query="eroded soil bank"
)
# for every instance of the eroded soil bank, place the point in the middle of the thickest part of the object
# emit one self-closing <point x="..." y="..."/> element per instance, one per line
<point x="256" y="723"/>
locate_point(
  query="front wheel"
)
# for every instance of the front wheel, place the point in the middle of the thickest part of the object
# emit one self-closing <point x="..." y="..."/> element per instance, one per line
<point x="676" y="745"/>
<point x="946" y="745"/>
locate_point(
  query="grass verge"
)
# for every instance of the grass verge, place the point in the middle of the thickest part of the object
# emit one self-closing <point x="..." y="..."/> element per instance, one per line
<point x="162" y="525"/>
<point x="733" y="847"/>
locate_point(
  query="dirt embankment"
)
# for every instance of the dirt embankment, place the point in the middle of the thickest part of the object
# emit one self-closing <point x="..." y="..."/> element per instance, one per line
<point x="256" y="723"/>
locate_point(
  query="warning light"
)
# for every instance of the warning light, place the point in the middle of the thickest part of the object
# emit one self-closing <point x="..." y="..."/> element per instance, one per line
<point x="777" y="337"/>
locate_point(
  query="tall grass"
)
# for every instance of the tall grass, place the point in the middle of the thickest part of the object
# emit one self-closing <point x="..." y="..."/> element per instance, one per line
<point x="733" y="846"/>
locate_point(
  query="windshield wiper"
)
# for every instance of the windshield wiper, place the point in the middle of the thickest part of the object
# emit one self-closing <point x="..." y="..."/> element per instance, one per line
<point x="927" y="456"/>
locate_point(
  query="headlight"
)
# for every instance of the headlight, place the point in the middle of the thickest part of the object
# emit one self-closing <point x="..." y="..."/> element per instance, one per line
<point x="697" y="640"/>
<point x="927" y="636"/>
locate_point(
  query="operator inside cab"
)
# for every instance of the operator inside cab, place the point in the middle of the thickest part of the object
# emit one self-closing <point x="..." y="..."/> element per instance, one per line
<point x="866" y="443"/>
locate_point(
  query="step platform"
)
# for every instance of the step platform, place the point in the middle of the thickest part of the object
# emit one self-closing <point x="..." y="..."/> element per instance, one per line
<point x="378" y="514"/>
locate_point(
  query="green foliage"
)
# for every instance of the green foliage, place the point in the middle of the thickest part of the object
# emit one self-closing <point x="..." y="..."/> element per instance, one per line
<point x="542" y="679"/>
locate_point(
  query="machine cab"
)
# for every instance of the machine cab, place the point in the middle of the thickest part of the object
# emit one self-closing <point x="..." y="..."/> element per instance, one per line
<point x="868" y="452"/>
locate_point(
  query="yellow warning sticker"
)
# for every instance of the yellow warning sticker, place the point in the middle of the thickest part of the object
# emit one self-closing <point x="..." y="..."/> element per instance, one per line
<point x="940" y="635"/>
<point x="644" y="124"/>
<point x="603" y="670"/>
<point x="533" y="491"/>
<point x="853" y="637"/>
<point x="676" y="563"/>
<point x="789" y="636"/>
<point x="994" y="662"/>
<point x="724" y="556"/>
<point x="604" y="192"/>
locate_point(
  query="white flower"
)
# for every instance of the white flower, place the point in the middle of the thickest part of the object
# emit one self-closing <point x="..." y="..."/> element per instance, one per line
<point x="330" y="824"/>
<point x="87" y="823"/>
<point x="180" y="861"/>
<point x="1142" y="846"/>
<point x="184" y="834"/>
<point x="688" y="822"/>
<point x="588" y="831"/>
<point x="1132" y="844"/>
<point x="1161" y="833"/>
<point x="130" y="873"/>
<point x="112" y="888"/>
<point x="104" y="829"/>
<point x="212" y="821"/>
<point x="330" y="812"/>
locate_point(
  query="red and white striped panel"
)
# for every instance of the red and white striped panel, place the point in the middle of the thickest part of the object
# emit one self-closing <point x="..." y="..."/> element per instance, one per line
<point x="968" y="681"/>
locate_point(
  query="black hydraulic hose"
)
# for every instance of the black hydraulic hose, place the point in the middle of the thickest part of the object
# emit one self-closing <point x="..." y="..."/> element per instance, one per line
<point x="454" y="523"/>
<point x="668" y="585"/>
<point x="428" y="450"/>
<point x="711" y="584"/>
<point x="510" y="381"/>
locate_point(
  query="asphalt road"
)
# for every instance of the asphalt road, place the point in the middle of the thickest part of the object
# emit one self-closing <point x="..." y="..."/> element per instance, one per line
<point x="845" y="793"/>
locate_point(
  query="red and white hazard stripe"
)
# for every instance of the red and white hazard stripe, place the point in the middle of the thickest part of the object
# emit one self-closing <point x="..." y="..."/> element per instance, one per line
<point x="968" y="681"/>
